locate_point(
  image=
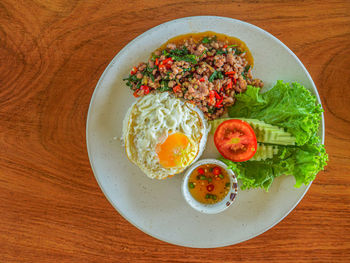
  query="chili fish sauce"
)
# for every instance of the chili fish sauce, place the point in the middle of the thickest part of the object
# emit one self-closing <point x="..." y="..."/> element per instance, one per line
<point x="209" y="183"/>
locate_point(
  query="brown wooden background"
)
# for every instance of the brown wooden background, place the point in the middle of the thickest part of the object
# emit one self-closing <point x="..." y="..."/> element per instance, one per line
<point x="52" y="54"/>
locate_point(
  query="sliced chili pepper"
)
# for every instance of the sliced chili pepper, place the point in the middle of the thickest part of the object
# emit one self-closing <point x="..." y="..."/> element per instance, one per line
<point x="230" y="73"/>
<point x="210" y="187"/>
<point x="157" y="61"/>
<point x="177" y="88"/>
<point x="202" y="80"/>
<point x="200" y="171"/>
<point x="216" y="170"/>
<point x="234" y="80"/>
<point x="133" y="71"/>
<point x="229" y="85"/>
<point x="211" y="97"/>
<point x="136" y="95"/>
<point x="145" y="89"/>
<point x="217" y="96"/>
<point x="225" y="46"/>
<point x="161" y="66"/>
<point x="165" y="61"/>
<point x="219" y="103"/>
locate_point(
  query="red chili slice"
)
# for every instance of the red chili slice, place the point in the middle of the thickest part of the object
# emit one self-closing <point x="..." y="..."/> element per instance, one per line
<point x="210" y="187"/>
<point x="177" y="88"/>
<point x="216" y="170"/>
<point x="230" y="73"/>
<point x="235" y="140"/>
<point x="136" y="95"/>
<point x="145" y="89"/>
<point x="211" y="97"/>
<point x="133" y="71"/>
<point x="200" y="171"/>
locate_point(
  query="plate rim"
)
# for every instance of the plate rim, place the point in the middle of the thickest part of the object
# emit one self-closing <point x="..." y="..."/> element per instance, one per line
<point x="113" y="61"/>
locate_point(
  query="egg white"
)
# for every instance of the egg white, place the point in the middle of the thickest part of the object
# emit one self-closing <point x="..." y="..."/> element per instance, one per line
<point x="150" y="120"/>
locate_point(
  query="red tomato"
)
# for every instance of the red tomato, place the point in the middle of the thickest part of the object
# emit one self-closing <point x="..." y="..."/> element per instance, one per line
<point x="216" y="170"/>
<point x="201" y="171"/>
<point x="235" y="140"/>
<point x="210" y="187"/>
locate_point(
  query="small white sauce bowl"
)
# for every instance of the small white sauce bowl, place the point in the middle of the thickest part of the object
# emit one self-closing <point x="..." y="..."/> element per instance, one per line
<point x="210" y="208"/>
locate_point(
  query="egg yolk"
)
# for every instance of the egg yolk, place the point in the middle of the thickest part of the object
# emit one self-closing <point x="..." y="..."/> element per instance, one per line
<point x="172" y="151"/>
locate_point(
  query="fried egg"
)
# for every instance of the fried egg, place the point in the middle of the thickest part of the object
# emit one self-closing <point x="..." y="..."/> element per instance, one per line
<point x="163" y="135"/>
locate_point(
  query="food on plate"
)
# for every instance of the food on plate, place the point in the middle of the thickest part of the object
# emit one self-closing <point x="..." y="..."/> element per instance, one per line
<point x="292" y="108"/>
<point x="289" y="106"/>
<point x="264" y="132"/>
<point x="207" y="69"/>
<point x="163" y="135"/>
<point x="235" y="140"/>
<point x="265" y="135"/>
<point x="209" y="183"/>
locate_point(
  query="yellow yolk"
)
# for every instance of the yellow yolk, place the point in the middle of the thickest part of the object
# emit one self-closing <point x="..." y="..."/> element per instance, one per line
<point x="173" y="149"/>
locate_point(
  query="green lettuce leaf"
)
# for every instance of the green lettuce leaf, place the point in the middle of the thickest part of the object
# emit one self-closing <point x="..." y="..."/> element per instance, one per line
<point x="290" y="106"/>
<point x="302" y="162"/>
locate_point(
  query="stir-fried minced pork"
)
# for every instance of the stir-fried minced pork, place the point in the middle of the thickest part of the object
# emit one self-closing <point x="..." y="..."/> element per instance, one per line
<point x="208" y="73"/>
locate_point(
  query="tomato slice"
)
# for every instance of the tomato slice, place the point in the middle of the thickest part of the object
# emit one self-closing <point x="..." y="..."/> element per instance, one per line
<point x="235" y="140"/>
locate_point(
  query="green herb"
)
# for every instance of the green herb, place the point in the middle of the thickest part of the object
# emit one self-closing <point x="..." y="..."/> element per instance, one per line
<point x="237" y="51"/>
<point x="188" y="58"/>
<point x="243" y="75"/>
<point x="221" y="176"/>
<point x="246" y="68"/>
<point x="164" y="86"/>
<point x="231" y="46"/>
<point x="191" y="185"/>
<point x="227" y="185"/>
<point x="220" y="52"/>
<point x="207" y="196"/>
<point x="214" y="197"/>
<point x="216" y="75"/>
<point x="132" y="80"/>
<point x="165" y="53"/>
<point x="211" y="110"/>
<point x="206" y="40"/>
<point x="179" y="52"/>
<point x="148" y="71"/>
<point x="204" y="52"/>
<point x="203" y="177"/>
<point x="186" y="69"/>
<point x="154" y="57"/>
<point x="210" y="179"/>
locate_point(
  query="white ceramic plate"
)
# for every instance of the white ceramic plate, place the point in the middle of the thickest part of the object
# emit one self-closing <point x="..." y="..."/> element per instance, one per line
<point x="158" y="207"/>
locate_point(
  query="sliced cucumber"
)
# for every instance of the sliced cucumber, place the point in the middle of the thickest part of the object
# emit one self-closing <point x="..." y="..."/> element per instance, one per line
<point x="264" y="152"/>
<point x="264" y="132"/>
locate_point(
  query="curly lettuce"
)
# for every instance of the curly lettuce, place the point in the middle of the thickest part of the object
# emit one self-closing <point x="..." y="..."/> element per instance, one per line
<point x="294" y="108"/>
<point x="290" y="106"/>
<point x="302" y="162"/>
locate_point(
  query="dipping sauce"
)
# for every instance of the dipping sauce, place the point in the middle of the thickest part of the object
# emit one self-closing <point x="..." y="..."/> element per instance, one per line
<point x="209" y="183"/>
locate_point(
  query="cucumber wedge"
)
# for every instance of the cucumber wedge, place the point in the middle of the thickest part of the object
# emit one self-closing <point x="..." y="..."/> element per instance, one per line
<point x="264" y="152"/>
<point x="265" y="133"/>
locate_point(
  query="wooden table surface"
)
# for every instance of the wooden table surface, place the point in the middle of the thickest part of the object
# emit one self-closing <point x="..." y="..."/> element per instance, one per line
<point x="52" y="54"/>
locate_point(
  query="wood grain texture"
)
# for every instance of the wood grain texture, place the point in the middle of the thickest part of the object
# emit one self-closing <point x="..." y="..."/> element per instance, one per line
<point x="52" y="54"/>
